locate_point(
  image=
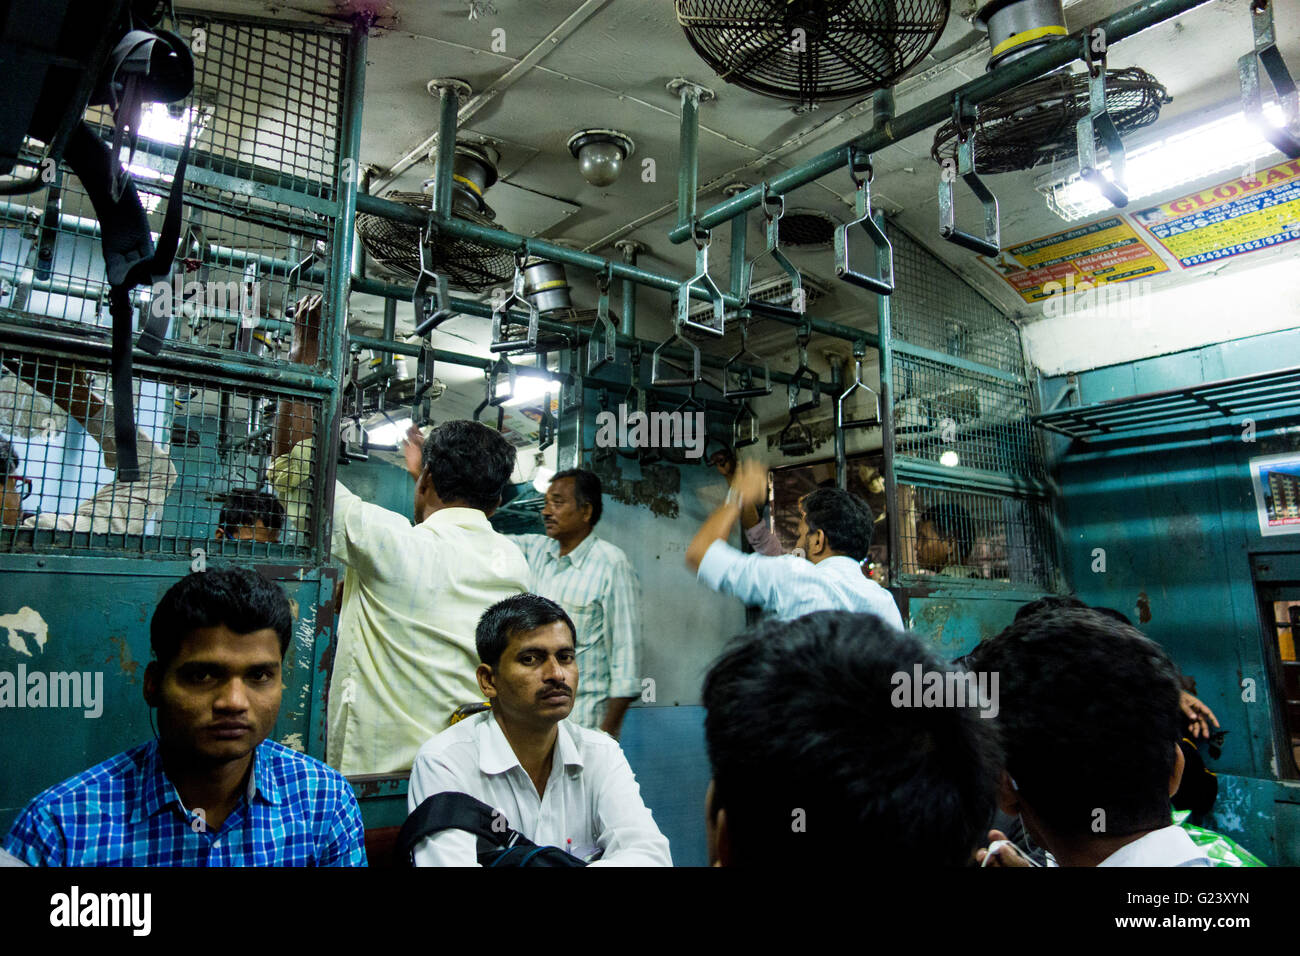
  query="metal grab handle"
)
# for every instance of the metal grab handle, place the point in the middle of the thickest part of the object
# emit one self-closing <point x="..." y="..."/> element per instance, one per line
<point x="798" y="443"/>
<point x="990" y="244"/>
<point x="684" y="320"/>
<point x="491" y="398"/>
<point x="606" y="334"/>
<point x="1098" y="123"/>
<point x="291" y="282"/>
<point x="797" y="380"/>
<point x="501" y="312"/>
<point x="696" y="374"/>
<point x="857" y="383"/>
<point x="421" y="407"/>
<point x="430" y="310"/>
<point x="884" y="284"/>
<point x="745" y="376"/>
<point x="798" y="302"/>
<point x="546" y="429"/>
<point x="1287" y="138"/>
<point x="741" y="439"/>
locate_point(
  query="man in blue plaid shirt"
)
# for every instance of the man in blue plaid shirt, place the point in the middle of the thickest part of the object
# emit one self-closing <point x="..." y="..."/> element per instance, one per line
<point x="211" y="790"/>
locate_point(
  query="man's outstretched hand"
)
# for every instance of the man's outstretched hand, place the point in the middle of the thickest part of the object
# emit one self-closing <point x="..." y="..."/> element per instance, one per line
<point x="1199" y="717"/>
<point x="305" y="346"/>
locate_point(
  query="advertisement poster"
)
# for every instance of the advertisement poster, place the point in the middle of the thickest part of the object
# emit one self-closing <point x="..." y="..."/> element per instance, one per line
<point x="1276" y="482"/>
<point x="1252" y="212"/>
<point x="1102" y="252"/>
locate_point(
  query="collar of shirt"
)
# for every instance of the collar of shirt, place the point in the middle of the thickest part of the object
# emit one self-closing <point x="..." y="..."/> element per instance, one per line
<point x="455" y="517"/>
<point x="157" y="792"/>
<point x="577" y="555"/>
<point x="1168" y="846"/>
<point x="841" y="562"/>
<point x="495" y="755"/>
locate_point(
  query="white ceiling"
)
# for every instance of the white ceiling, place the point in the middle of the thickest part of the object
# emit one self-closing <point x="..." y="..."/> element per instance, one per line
<point x="570" y="64"/>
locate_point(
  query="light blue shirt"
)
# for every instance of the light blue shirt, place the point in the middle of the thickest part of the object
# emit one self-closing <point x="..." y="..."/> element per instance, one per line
<point x="787" y="586"/>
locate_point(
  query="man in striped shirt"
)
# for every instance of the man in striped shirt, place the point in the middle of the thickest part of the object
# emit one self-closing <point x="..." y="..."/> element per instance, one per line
<point x="212" y="790"/>
<point x="596" y="584"/>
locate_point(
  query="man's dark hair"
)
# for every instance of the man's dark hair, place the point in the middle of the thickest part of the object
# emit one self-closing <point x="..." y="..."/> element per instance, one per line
<point x="515" y="615"/>
<point x="9" y="461"/>
<point x="1051" y="602"/>
<point x="586" y="489"/>
<point x="953" y="522"/>
<point x="846" y="519"/>
<point x="1116" y="615"/>
<point x="245" y="507"/>
<point x="800" y="717"/>
<point x="238" y="598"/>
<point x="1088" y="713"/>
<point x="469" y="463"/>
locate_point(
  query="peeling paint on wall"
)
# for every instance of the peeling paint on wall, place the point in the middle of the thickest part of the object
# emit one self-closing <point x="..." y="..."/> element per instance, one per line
<point x="25" y="622"/>
<point x="125" y="662"/>
<point x="657" y="489"/>
<point x="293" y="742"/>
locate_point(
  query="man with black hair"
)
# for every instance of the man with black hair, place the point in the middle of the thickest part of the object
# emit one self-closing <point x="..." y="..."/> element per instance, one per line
<point x="249" y="515"/>
<point x="596" y="584"/>
<point x="412" y="595"/>
<point x="556" y="783"/>
<point x="212" y="790"/>
<point x="835" y="530"/>
<point x="945" y="536"/>
<point x="910" y="784"/>
<point x="1090" y="765"/>
<point x="14" y="488"/>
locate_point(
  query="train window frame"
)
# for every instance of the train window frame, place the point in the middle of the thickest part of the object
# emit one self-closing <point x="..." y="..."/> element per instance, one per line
<point x="1270" y="593"/>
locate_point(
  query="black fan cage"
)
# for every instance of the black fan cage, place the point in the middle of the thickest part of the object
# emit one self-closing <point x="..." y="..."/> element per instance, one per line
<point x="1034" y="124"/>
<point x="808" y="51"/>
<point x="469" y="265"/>
<point x="805" y="227"/>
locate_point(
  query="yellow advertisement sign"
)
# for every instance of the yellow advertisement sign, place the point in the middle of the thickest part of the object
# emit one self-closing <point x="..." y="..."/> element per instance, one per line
<point x="1241" y="215"/>
<point x="1098" y="253"/>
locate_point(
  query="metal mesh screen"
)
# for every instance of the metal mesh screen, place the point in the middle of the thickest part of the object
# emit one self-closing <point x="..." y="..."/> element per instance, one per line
<point x="974" y="537"/>
<point x="202" y="446"/>
<point x="941" y="412"/>
<point x="933" y="308"/>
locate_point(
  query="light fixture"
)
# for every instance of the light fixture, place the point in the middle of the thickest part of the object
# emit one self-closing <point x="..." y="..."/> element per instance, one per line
<point x="600" y="154"/>
<point x="530" y="388"/>
<point x="1018" y="27"/>
<point x="386" y="433"/>
<point x="1230" y="142"/>
<point x="166" y="124"/>
<point x="949" y="459"/>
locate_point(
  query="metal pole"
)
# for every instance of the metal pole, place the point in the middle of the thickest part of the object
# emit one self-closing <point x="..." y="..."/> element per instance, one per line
<point x="688" y="170"/>
<point x="630" y="249"/>
<point x="448" y="104"/>
<point x="886" y="361"/>
<point x="1055" y="54"/>
<point x="837" y="380"/>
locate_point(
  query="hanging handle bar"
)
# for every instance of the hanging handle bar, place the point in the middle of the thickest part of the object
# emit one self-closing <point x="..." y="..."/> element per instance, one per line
<point x="432" y="300"/>
<point x="773" y="210"/>
<point x="1099" y="124"/>
<point x="492" y="396"/>
<point x="717" y="318"/>
<point x="804" y="378"/>
<point x="743" y="439"/>
<point x="990" y="243"/>
<point x="1287" y="138"/>
<point x="884" y="283"/>
<point x="604" y="340"/>
<point x="858" y="353"/>
<point x="501" y="315"/>
<point x="421" y="407"/>
<point x="656" y="361"/>
<point x="745" y="384"/>
<point x="795" y="438"/>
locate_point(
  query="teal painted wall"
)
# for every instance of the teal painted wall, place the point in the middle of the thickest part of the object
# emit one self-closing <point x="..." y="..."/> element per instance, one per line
<point x="1175" y="518"/>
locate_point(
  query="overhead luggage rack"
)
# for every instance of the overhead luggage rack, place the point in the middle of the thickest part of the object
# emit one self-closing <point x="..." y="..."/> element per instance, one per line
<point x="1266" y="395"/>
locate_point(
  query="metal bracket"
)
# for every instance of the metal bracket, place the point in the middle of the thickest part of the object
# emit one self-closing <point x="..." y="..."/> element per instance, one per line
<point x="745" y="387"/>
<point x="432" y="300"/>
<point x="800" y="374"/>
<point x="701" y="238"/>
<point x="773" y="210"/>
<point x="884" y="284"/>
<point x="741" y="439"/>
<point x="547" y="428"/>
<point x="1098" y="123"/>
<point x="859" y="351"/>
<point x="501" y="312"/>
<point x="602" y="331"/>
<point x="1287" y="138"/>
<point x="990" y="244"/>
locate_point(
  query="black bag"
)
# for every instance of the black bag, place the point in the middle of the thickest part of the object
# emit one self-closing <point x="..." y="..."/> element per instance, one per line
<point x="142" y="65"/>
<point x="498" y="845"/>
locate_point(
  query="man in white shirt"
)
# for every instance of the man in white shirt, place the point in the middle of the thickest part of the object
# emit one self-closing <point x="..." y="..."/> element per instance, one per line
<point x="835" y="531"/>
<point x="554" y="782"/>
<point x="1090" y="763"/>
<point x="412" y="595"/>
